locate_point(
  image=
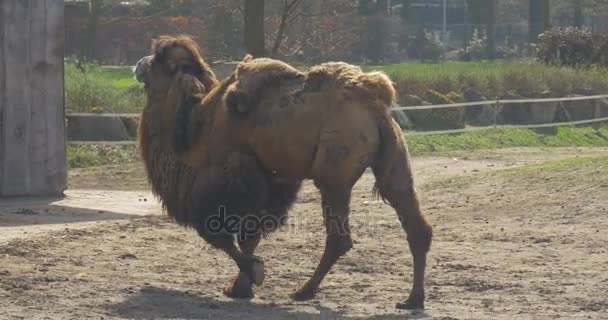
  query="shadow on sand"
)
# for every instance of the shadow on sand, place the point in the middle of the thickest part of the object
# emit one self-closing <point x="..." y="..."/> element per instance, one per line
<point x="158" y="303"/>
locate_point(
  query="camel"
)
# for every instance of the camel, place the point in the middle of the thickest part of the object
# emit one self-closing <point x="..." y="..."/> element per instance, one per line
<point x="246" y="143"/>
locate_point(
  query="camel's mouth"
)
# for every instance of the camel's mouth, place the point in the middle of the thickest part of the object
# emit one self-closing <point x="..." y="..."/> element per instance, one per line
<point x="142" y="69"/>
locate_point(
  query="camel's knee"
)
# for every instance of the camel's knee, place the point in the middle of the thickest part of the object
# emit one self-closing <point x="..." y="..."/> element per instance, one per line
<point x="420" y="237"/>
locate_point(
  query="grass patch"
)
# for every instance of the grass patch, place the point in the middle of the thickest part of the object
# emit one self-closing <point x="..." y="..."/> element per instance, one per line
<point x="120" y="77"/>
<point x="84" y="156"/>
<point x="495" y="79"/>
<point x="579" y="166"/>
<point x="576" y="172"/>
<point x="509" y="138"/>
<point x="92" y="88"/>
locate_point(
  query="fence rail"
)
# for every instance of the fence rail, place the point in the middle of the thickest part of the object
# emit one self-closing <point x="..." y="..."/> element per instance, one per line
<point x="509" y="126"/>
<point x="495" y="104"/>
<point x="500" y="101"/>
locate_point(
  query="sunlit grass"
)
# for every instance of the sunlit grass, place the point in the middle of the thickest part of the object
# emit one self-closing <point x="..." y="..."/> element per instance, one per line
<point x="494" y="79"/>
<point x="93" y="88"/>
<point x="508" y="138"/>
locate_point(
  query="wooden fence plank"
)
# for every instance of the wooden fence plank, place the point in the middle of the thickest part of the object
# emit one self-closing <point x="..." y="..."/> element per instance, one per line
<point x="17" y="105"/>
<point x="56" y="173"/>
<point x="2" y="89"/>
<point x="33" y="126"/>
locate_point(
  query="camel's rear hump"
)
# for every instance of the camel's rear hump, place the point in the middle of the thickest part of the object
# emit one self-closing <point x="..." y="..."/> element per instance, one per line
<point x="373" y="84"/>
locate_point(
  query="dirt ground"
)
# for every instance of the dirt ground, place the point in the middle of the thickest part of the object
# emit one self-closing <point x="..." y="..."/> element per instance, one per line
<point x="507" y="246"/>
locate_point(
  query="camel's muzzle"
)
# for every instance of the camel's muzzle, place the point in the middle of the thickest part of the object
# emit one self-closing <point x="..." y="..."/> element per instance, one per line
<point x="142" y="69"/>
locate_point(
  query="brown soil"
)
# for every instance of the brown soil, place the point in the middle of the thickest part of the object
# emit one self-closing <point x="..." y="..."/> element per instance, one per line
<point x="506" y="246"/>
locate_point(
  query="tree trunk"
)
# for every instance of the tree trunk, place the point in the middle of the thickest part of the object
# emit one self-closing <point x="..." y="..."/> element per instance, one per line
<point x="384" y="7"/>
<point x="365" y="7"/>
<point x="94" y="8"/>
<point x="578" y="13"/>
<point x="474" y="15"/>
<point x="538" y="18"/>
<point x="254" y="28"/>
<point x="491" y="28"/>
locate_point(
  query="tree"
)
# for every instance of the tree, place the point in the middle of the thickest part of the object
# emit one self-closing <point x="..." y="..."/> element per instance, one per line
<point x="491" y="28"/>
<point x="538" y="18"/>
<point x="578" y="13"/>
<point x="375" y="29"/>
<point x="254" y="28"/>
<point x="93" y="23"/>
<point x="474" y="18"/>
<point x="482" y="13"/>
<point x="289" y="10"/>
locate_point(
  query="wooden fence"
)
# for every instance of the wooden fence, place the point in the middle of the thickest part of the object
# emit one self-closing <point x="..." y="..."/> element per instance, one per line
<point x="32" y="119"/>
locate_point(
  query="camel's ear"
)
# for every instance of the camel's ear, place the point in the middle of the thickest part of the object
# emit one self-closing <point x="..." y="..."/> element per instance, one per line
<point x="238" y="102"/>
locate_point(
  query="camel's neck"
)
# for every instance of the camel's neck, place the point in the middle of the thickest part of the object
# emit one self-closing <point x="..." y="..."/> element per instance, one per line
<point x="166" y="174"/>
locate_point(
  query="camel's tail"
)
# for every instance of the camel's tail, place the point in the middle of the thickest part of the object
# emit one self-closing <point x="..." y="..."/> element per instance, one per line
<point x="390" y="142"/>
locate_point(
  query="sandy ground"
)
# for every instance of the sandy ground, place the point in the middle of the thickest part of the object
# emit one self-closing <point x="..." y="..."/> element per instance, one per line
<point x="506" y="247"/>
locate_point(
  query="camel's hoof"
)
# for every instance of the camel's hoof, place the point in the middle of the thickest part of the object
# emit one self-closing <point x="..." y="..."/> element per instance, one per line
<point x="412" y="303"/>
<point x="303" y="295"/>
<point x="257" y="271"/>
<point x="240" y="288"/>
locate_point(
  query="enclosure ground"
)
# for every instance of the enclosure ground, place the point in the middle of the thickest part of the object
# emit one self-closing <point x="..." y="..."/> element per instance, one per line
<point x="519" y="234"/>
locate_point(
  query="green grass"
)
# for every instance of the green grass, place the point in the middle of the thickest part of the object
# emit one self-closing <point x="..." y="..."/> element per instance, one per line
<point x="120" y="77"/>
<point x="578" y="165"/>
<point x="93" y="88"/>
<point x="509" y="138"/>
<point x="84" y="156"/>
<point x="575" y="172"/>
<point x="494" y="79"/>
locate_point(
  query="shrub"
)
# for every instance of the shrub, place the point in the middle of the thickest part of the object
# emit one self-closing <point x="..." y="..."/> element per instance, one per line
<point x="427" y="45"/>
<point x="600" y="49"/>
<point x="433" y="46"/>
<point x="452" y="118"/>
<point x="476" y="48"/>
<point x="568" y="46"/>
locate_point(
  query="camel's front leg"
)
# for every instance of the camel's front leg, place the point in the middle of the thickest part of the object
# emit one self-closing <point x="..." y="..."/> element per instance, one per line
<point x="251" y="268"/>
<point x="338" y="241"/>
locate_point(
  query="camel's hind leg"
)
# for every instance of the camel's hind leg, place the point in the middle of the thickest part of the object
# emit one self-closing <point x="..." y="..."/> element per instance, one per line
<point x="398" y="189"/>
<point x="338" y="240"/>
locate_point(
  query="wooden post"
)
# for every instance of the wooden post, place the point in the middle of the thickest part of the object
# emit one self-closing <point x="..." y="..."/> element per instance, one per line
<point x="32" y="120"/>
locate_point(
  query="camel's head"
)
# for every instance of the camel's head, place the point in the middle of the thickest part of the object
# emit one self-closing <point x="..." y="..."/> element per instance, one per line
<point x="173" y="58"/>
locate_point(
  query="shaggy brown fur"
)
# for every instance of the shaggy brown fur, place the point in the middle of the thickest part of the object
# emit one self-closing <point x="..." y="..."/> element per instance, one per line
<point x="270" y="122"/>
<point x="189" y="194"/>
<point x="183" y="54"/>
